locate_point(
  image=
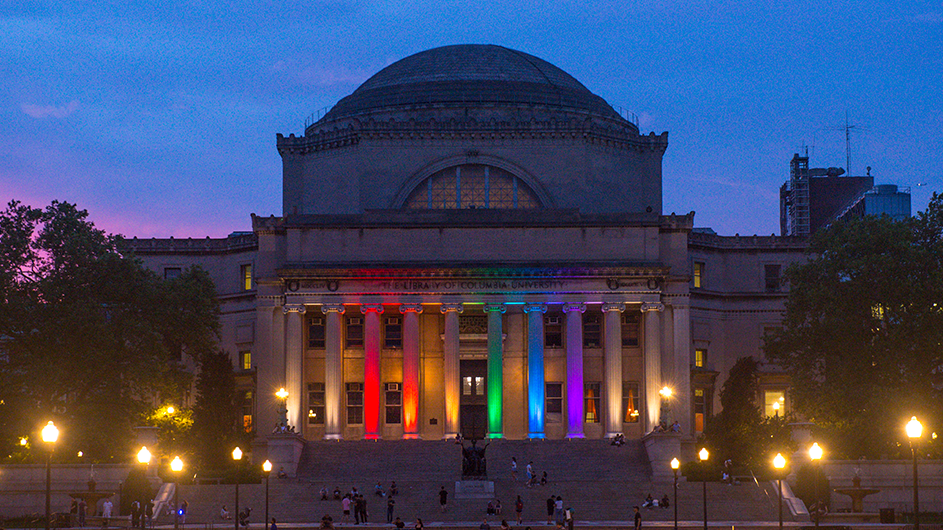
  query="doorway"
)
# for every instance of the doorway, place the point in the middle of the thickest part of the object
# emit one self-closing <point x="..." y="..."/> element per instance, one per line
<point x="473" y="404"/>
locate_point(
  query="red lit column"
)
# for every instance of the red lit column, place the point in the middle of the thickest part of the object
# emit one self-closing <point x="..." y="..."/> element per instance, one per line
<point x="333" y="371"/>
<point x="371" y="370"/>
<point x="411" y="314"/>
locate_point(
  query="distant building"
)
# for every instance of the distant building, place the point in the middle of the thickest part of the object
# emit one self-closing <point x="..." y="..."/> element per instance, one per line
<point x="814" y="198"/>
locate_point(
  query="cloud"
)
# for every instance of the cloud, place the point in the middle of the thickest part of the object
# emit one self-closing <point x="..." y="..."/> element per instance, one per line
<point x="49" y="111"/>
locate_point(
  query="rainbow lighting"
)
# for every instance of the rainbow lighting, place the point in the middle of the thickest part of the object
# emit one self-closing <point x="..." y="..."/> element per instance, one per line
<point x="495" y="374"/>
<point x="535" y="369"/>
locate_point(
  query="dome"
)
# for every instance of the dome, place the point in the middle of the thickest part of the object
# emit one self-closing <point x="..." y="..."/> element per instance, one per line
<point x="478" y="74"/>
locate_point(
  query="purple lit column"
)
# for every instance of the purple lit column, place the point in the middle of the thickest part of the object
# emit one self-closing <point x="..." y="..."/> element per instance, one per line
<point x="613" y="362"/>
<point x="574" y="369"/>
<point x="535" y="369"/>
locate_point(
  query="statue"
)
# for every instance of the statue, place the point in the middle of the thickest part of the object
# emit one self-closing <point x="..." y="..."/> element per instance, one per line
<point x="474" y="463"/>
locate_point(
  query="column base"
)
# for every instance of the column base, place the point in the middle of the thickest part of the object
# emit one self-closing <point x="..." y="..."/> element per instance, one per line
<point x="614" y="434"/>
<point x="449" y="435"/>
<point x="576" y="435"/>
<point x="536" y="435"/>
<point x="332" y="437"/>
<point x="411" y="436"/>
<point x="495" y="435"/>
<point x="371" y="437"/>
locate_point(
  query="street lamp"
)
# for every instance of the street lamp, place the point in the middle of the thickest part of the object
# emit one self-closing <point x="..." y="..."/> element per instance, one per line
<point x="267" y="469"/>
<point x="144" y="457"/>
<point x="703" y="454"/>
<point x="237" y="456"/>
<point x="50" y="435"/>
<point x="675" y="465"/>
<point x="176" y="465"/>
<point x="665" y="396"/>
<point x="815" y="453"/>
<point x="914" y="431"/>
<point x="282" y="394"/>
<point x="779" y="462"/>
<point x="776" y="408"/>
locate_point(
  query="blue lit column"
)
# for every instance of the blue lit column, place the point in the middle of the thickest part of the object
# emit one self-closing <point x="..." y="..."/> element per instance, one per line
<point x="535" y="369"/>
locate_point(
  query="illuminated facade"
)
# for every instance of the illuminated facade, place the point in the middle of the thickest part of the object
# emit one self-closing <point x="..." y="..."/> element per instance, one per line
<point x="473" y="243"/>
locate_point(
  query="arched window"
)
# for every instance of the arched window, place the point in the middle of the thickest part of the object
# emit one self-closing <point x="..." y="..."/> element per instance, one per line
<point x="472" y="186"/>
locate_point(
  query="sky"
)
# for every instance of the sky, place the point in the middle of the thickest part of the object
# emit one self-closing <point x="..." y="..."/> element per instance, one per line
<point x="160" y="118"/>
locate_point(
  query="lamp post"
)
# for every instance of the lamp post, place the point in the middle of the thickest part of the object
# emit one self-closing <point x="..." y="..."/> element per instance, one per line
<point x="176" y="465"/>
<point x="283" y="411"/>
<point x="665" y="396"/>
<point x="267" y="469"/>
<point x="675" y="465"/>
<point x="50" y="435"/>
<point x="815" y="453"/>
<point x="779" y="462"/>
<point x="703" y="455"/>
<point x="237" y="457"/>
<point x="914" y="431"/>
<point x="144" y="458"/>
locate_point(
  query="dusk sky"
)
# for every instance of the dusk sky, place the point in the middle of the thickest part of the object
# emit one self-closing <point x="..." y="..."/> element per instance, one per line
<point x="160" y="117"/>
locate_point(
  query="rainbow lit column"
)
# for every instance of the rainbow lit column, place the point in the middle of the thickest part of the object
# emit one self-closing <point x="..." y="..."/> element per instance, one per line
<point x="652" y="314"/>
<point x="495" y="370"/>
<point x="333" y="370"/>
<point x="535" y="369"/>
<point x="450" y="369"/>
<point x="574" y="369"/>
<point x="411" y="314"/>
<point x="371" y="370"/>
<point x="613" y="363"/>
<point x="294" y="363"/>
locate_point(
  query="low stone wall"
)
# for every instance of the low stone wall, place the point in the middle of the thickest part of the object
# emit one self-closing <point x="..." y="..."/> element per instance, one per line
<point x="23" y="486"/>
<point x="895" y="480"/>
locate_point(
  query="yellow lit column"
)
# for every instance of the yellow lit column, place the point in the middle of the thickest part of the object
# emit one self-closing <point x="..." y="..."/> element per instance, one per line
<point x="450" y="368"/>
<point x="333" y="370"/>
<point x="613" y="367"/>
<point x="652" y="314"/>
<point x="294" y="363"/>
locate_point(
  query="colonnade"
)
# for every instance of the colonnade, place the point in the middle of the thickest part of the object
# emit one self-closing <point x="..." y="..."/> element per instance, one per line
<point x="675" y="365"/>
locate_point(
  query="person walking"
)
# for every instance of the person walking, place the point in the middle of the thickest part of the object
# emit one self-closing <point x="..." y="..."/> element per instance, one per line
<point x="558" y="511"/>
<point x="345" y="506"/>
<point x="638" y="519"/>
<point x="551" y="504"/>
<point x="519" y="508"/>
<point x="363" y="508"/>
<point x="390" y="504"/>
<point x="514" y="468"/>
<point x="443" y="499"/>
<point x="530" y="473"/>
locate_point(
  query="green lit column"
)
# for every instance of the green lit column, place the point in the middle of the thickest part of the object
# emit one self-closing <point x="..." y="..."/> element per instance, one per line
<point x="495" y="370"/>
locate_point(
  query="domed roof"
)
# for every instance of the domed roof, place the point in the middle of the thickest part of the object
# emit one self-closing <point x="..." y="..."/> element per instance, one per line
<point x="456" y="76"/>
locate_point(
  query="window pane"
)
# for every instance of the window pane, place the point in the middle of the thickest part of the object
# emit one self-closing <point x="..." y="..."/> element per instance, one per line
<point x="592" y="403"/>
<point x="466" y="386"/>
<point x="592" y="331"/>
<point x="480" y="386"/>
<point x="316" y="333"/>
<point x="775" y="402"/>
<point x="630" y="402"/>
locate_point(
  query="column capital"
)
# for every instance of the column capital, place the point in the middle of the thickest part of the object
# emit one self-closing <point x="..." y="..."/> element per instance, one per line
<point x="528" y="308"/>
<point x="371" y="308"/>
<point x="333" y="308"/>
<point x="411" y="308"/>
<point x="488" y="308"/>
<point x="450" y="308"/>
<point x="620" y="307"/>
<point x="293" y="308"/>
<point x="574" y="307"/>
<point x="653" y="306"/>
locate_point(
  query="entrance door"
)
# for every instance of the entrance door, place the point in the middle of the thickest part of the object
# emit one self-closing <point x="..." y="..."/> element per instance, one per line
<point x="473" y="404"/>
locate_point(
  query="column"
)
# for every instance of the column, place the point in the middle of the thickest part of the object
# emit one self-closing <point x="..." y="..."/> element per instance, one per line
<point x="270" y="376"/>
<point x="612" y="358"/>
<point x="371" y="370"/>
<point x="333" y="370"/>
<point x="450" y="368"/>
<point x="682" y="344"/>
<point x="652" y="351"/>
<point x="294" y="364"/>
<point x="495" y="370"/>
<point x="535" y="369"/>
<point x="574" y="369"/>
<point x="411" y="314"/>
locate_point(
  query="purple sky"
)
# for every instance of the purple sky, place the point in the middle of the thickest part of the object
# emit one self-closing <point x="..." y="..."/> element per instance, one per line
<point x="160" y="117"/>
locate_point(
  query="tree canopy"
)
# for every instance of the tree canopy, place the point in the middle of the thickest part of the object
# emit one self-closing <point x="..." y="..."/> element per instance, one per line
<point x="863" y="331"/>
<point x="89" y="337"/>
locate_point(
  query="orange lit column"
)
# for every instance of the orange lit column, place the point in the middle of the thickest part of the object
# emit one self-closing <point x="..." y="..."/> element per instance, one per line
<point x="371" y="370"/>
<point x="450" y="368"/>
<point x="652" y="314"/>
<point x="411" y="314"/>
<point x="333" y="370"/>
<point x="613" y="362"/>
<point x="294" y="363"/>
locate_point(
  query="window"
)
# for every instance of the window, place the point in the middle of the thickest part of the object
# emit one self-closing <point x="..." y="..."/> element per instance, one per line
<point x="592" y="330"/>
<point x="245" y="273"/>
<point x="630" y="399"/>
<point x="592" y="403"/>
<point x="315" y="403"/>
<point x="554" y="405"/>
<point x="698" y="274"/>
<point x="630" y="326"/>
<point x="245" y="360"/>
<point x="473" y="386"/>
<point x="700" y="409"/>
<point x="394" y="403"/>
<point x="472" y="186"/>
<point x="171" y="273"/>
<point x="774" y="402"/>
<point x="700" y="358"/>
<point x="354" y="403"/>
<point x="316" y="332"/>
<point x="553" y="332"/>
<point x="355" y="332"/>
<point x="247" y="411"/>
<point x="393" y="333"/>
<point x="772" y="277"/>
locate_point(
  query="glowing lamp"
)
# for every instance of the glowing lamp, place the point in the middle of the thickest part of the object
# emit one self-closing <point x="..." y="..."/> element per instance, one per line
<point x="171" y="410"/>
<point x="176" y="465"/>
<point x="23" y="442"/>
<point x="675" y="464"/>
<point x="703" y="454"/>
<point x="237" y="454"/>
<point x="282" y="393"/>
<point x="50" y="433"/>
<point x="815" y="452"/>
<point x="665" y="392"/>
<point x="914" y="428"/>
<point x="267" y="466"/>
<point x="779" y="461"/>
<point x="144" y="456"/>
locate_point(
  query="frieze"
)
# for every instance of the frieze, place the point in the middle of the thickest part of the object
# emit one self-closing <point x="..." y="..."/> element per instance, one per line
<point x="470" y="285"/>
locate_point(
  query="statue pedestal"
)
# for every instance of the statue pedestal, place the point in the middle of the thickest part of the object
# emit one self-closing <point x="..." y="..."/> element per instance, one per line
<point x="661" y="448"/>
<point x="284" y="452"/>
<point x="474" y="489"/>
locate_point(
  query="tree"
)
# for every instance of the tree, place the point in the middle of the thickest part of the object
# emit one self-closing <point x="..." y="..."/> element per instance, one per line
<point x="863" y="331"/>
<point x="90" y="338"/>
<point x="214" y="413"/>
